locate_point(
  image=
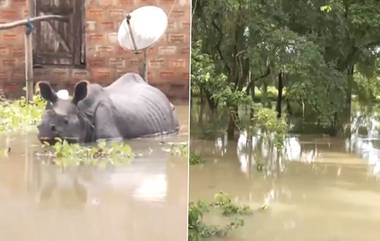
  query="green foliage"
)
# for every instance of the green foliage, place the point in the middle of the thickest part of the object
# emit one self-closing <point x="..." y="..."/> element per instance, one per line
<point x="196" y="159"/>
<point x="199" y="230"/>
<point x="266" y="120"/>
<point x="366" y="88"/>
<point x="17" y="115"/>
<point x="316" y="45"/>
<point x="179" y="149"/>
<point x="101" y="154"/>
<point x="326" y="8"/>
<point x="208" y="81"/>
<point x="204" y="77"/>
<point x="224" y="202"/>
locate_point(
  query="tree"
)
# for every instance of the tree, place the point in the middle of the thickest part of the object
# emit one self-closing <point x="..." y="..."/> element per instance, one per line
<point x="310" y="48"/>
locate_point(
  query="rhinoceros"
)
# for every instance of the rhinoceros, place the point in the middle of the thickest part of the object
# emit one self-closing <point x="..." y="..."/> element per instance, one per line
<point x="128" y="108"/>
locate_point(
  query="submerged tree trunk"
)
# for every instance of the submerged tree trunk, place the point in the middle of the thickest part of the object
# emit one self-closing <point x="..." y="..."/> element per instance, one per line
<point x="231" y="122"/>
<point x="201" y="111"/>
<point x="279" y="96"/>
<point x="342" y="121"/>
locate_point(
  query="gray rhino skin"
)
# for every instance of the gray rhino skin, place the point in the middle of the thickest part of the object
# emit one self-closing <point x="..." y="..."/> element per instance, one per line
<point x="128" y="108"/>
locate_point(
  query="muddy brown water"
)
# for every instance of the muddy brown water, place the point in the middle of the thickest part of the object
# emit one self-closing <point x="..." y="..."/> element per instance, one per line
<point x="145" y="200"/>
<point x="324" y="188"/>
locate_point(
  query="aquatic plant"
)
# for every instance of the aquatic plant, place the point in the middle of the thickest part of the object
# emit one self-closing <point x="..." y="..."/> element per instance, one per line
<point x="222" y="203"/>
<point x="195" y="159"/>
<point x="179" y="149"/>
<point x="101" y="154"/>
<point x="17" y="115"/>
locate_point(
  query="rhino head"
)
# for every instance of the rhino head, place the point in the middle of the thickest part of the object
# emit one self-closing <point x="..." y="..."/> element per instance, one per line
<point x="62" y="118"/>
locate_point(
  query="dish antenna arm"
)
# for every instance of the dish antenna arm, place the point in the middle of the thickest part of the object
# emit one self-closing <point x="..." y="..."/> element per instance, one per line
<point x="128" y="18"/>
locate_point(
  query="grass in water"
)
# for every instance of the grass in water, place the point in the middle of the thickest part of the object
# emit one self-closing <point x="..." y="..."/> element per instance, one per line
<point x="196" y="159"/>
<point x="222" y="203"/>
<point x="102" y="154"/>
<point x="17" y="115"/>
<point x="179" y="149"/>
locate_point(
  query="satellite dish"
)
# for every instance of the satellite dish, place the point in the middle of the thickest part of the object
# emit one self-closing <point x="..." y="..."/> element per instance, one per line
<point x="142" y="28"/>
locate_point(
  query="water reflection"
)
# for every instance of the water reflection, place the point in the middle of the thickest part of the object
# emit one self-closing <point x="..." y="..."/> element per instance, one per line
<point x="252" y="149"/>
<point x="318" y="188"/>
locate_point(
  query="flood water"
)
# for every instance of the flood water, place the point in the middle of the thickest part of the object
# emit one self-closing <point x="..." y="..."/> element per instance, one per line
<point x="323" y="188"/>
<point x="144" y="200"/>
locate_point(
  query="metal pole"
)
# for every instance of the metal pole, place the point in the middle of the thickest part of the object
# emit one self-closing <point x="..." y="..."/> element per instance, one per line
<point x="29" y="46"/>
<point x="29" y="62"/>
<point x="23" y="22"/>
<point x="28" y="67"/>
<point x="145" y="65"/>
<point x="136" y="51"/>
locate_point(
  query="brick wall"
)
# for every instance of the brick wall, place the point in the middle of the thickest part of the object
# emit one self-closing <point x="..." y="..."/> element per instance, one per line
<point x="168" y="60"/>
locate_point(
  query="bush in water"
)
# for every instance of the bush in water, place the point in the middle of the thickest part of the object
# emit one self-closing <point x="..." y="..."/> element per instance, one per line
<point x="102" y="153"/>
<point x="17" y="115"/>
<point x="222" y="203"/>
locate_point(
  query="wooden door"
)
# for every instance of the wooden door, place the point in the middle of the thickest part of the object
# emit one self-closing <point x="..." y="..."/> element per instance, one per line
<point x="59" y="42"/>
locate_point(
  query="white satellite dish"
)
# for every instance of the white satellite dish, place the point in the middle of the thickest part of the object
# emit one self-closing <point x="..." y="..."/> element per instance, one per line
<point x="142" y="28"/>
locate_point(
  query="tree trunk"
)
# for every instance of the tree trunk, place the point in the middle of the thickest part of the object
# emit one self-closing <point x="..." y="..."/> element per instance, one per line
<point x="231" y="123"/>
<point x="279" y="96"/>
<point x="201" y="111"/>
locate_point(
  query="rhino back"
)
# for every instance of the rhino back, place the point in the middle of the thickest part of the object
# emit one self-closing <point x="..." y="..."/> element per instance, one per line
<point x="141" y="108"/>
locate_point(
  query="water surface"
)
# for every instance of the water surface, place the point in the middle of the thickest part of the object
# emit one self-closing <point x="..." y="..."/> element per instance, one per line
<point x="145" y="200"/>
<point x="322" y="188"/>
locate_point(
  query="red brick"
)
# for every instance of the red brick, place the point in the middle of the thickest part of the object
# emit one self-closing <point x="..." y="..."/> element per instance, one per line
<point x="117" y="13"/>
<point x="19" y="2"/>
<point x="177" y="38"/>
<point x="9" y="62"/>
<point x="4" y="76"/>
<point x="4" y="51"/>
<point x="167" y="75"/>
<point x="178" y="13"/>
<point x="178" y="63"/>
<point x="156" y="63"/>
<point x="9" y="14"/>
<point x="79" y="74"/>
<point x="101" y="74"/>
<point x="10" y="37"/>
<point x="18" y="52"/>
<point x="108" y="26"/>
<point x="96" y="62"/>
<point x="94" y="13"/>
<point x="61" y="74"/>
<point x="112" y="39"/>
<point x="105" y="49"/>
<point x="167" y="50"/>
<point x="95" y="37"/>
<point x="118" y="63"/>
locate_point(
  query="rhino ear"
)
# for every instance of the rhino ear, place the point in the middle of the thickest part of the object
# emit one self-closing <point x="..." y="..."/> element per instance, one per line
<point x="47" y="92"/>
<point x="80" y="91"/>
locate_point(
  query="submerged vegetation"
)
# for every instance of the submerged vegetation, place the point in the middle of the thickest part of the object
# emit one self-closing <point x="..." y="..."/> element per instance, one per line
<point x="195" y="159"/>
<point x="101" y="154"/>
<point x="17" y="115"/>
<point x="276" y="128"/>
<point x="221" y="205"/>
<point x="179" y="149"/>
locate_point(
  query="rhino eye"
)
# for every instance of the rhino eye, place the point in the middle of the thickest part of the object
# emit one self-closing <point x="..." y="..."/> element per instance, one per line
<point x="66" y="121"/>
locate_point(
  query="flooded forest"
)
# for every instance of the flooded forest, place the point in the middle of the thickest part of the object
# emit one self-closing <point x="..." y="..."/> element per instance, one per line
<point x="285" y="120"/>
